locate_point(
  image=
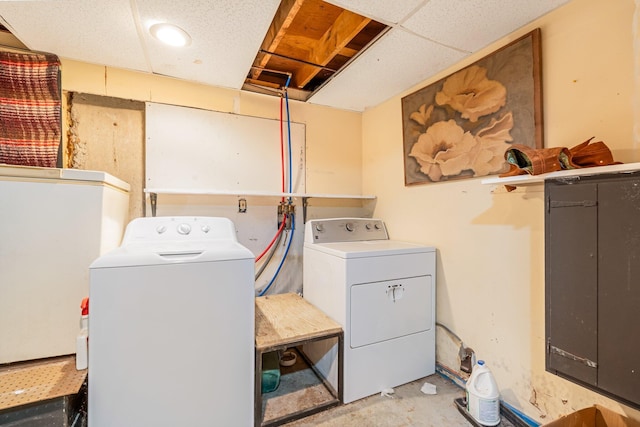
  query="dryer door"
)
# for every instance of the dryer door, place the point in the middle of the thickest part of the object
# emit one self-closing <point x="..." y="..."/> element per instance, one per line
<point x="382" y="311"/>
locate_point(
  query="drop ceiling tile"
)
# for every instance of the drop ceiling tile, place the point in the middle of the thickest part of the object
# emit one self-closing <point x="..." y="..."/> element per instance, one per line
<point x="472" y="25"/>
<point x="226" y="34"/>
<point x="90" y="31"/>
<point x="396" y="62"/>
<point x="385" y="11"/>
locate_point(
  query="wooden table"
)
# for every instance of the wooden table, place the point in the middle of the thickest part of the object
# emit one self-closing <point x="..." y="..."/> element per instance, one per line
<point x="288" y="320"/>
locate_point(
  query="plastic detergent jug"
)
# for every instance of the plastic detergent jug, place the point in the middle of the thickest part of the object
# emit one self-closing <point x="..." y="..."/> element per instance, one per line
<point x="82" y="340"/>
<point x="483" y="397"/>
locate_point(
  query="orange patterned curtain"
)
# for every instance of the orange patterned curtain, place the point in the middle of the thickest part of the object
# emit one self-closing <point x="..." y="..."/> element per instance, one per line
<point x="30" y="109"/>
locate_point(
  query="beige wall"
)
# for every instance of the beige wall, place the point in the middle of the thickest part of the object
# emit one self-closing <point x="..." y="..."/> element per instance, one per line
<point x="490" y="288"/>
<point x="333" y="137"/>
<point x="491" y="243"/>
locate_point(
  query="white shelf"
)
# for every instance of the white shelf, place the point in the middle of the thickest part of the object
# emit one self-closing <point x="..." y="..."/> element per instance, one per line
<point x="240" y="193"/>
<point x="523" y="180"/>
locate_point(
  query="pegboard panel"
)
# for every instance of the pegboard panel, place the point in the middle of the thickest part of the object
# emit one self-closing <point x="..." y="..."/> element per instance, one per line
<point x="189" y="148"/>
<point x="36" y="382"/>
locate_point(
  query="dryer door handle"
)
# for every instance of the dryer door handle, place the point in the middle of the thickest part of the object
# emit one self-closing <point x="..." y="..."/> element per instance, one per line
<point x="395" y="292"/>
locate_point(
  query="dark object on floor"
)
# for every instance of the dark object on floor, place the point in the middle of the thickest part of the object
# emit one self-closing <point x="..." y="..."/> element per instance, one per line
<point x="270" y="372"/>
<point x="64" y="411"/>
<point x="508" y="418"/>
<point x="43" y="393"/>
<point x="288" y="358"/>
<point x="466" y="359"/>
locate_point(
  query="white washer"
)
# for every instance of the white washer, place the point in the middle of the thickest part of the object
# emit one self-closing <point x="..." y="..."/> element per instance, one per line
<point x="171" y="326"/>
<point x="382" y="292"/>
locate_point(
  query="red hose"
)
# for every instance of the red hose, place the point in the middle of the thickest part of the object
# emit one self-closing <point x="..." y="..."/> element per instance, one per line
<point x="284" y="221"/>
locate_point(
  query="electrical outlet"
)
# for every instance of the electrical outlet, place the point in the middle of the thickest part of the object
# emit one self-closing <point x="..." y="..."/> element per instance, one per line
<point x="467" y="357"/>
<point x="242" y="205"/>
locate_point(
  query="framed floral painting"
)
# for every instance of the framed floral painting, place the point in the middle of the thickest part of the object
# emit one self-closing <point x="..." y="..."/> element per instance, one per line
<point x="460" y="126"/>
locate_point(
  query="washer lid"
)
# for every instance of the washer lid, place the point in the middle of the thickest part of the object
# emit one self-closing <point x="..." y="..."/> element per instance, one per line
<point x="173" y="253"/>
<point x="170" y="240"/>
<point x="368" y="248"/>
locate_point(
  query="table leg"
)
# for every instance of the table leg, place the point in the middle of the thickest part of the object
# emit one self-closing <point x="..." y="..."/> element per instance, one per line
<point x="341" y="367"/>
<point x="258" y="390"/>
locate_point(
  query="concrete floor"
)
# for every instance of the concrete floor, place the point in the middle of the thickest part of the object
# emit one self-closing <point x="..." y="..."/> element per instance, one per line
<point x="408" y="407"/>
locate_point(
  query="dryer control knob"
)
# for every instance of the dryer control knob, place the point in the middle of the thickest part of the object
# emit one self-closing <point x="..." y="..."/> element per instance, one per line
<point x="184" y="229"/>
<point x="349" y="226"/>
<point x="161" y="229"/>
<point x="206" y="229"/>
<point x="319" y="227"/>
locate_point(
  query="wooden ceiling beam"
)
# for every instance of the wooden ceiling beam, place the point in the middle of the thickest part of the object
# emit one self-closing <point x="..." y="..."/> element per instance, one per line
<point x="343" y="30"/>
<point x="277" y="30"/>
<point x="262" y="83"/>
<point x="348" y="52"/>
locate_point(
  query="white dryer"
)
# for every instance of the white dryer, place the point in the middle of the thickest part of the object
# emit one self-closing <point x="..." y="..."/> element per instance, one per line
<point x="171" y="326"/>
<point x="382" y="292"/>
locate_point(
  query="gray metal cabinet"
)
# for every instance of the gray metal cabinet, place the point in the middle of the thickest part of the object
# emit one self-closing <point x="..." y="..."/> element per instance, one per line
<point x="592" y="232"/>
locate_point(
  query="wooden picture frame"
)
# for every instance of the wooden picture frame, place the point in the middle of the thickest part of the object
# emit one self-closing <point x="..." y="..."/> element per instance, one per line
<point x="460" y="126"/>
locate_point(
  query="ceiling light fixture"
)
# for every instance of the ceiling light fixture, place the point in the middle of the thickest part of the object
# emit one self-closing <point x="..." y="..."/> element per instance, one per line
<point x="170" y="34"/>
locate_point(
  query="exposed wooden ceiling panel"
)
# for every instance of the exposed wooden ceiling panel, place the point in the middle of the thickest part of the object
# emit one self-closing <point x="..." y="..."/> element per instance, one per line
<point x="315" y="19"/>
<point x="364" y="37"/>
<point x="309" y="41"/>
<point x="284" y="16"/>
<point x="343" y="30"/>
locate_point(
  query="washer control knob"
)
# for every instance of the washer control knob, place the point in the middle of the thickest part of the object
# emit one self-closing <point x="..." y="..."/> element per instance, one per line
<point x="377" y="226"/>
<point x="161" y="229"/>
<point x="205" y="228"/>
<point x="184" y="229"/>
<point x="349" y="226"/>
<point x="319" y="227"/>
<point x="368" y="226"/>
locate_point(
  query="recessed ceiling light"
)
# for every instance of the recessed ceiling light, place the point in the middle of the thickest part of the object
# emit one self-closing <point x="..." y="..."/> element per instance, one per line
<point x="170" y="34"/>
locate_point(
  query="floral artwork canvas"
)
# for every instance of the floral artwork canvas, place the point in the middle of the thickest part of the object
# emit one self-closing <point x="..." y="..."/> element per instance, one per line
<point x="460" y="126"/>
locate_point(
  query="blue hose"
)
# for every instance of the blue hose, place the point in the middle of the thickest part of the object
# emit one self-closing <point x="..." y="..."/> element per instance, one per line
<point x="284" y="257"/>
<point x="286" y="98"/>
<point x="293" y="217"/>
<point x="528" y="420"/>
